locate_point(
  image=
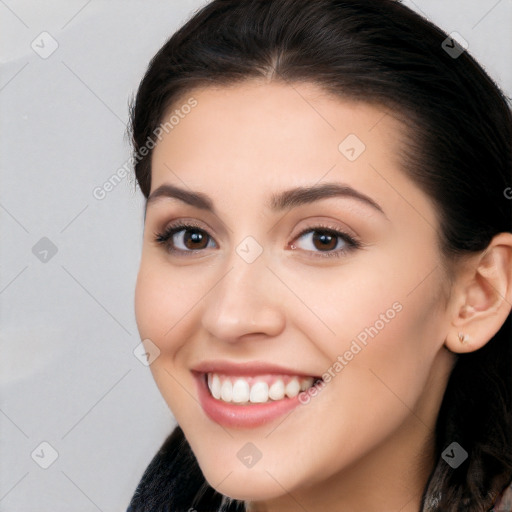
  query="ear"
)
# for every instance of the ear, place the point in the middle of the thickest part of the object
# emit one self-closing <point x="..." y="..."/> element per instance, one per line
<point x="482" y="297"/>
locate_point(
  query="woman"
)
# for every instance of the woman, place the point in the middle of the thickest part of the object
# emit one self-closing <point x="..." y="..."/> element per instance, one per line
<point x="326" y="277"/>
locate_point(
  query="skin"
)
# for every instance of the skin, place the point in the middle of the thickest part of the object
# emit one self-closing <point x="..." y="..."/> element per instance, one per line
<point x="371" y="427"/>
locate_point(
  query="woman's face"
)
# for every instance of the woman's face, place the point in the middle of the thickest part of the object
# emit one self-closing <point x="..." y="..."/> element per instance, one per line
<point x="310" y="254"/>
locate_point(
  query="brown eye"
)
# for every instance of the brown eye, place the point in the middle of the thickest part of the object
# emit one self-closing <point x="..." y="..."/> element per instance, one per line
<point x="323" y="240"/>
<point x="184" y="239"/>
<point x="193" y="238"/>
<point x="326" y="242"/>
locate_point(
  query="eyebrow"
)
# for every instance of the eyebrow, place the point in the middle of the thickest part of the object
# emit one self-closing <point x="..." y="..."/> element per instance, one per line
<point x="284" y="200"/>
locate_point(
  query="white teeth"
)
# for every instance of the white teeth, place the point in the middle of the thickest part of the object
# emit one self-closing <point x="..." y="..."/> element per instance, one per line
<point x="214" y="386"/>
<point x="276" y="391"/>
<point x="306" y="383"/>
<point x="241" y="392"/>
<point x="259" y="393"/>
<point x="226" y="391"/>
<point x="292" y="388"/>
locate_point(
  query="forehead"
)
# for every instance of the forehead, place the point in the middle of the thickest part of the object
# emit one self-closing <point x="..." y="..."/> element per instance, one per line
<point x="260" y="135"/>
<point x="268" y="120"/>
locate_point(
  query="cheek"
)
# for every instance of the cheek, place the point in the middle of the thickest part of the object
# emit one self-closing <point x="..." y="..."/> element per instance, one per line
<point x="381" y="328"/>
<point x="167" y="301"/>
<point x="164" y="297"/>
<point x="367" y="300"/>
<point x="151" y="301"/>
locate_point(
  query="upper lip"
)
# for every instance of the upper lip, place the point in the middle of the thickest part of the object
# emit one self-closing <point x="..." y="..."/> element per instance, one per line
<point x="249" y="368"/>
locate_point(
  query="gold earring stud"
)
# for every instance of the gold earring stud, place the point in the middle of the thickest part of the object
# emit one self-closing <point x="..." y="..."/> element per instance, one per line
<point x="463" y="338"/>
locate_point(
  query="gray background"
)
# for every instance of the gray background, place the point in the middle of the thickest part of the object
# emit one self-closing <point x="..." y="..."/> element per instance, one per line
<point x="68" y="374"/>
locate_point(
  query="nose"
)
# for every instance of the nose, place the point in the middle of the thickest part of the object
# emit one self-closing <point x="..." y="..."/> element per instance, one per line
<point x="246" y="302"/>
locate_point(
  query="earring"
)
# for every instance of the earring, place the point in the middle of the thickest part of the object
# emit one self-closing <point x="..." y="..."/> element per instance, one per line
<point x="463" y="338"/>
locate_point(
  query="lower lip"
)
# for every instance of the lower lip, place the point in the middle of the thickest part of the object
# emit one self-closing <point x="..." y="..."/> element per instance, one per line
<point x="241" y="416"/>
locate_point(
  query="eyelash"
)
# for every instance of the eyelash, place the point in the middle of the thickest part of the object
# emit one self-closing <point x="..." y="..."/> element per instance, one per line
<point x="164" y="238"/>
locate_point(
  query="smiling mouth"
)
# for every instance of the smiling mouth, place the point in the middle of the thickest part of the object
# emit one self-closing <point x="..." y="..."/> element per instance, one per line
<point x="244" y="390"/>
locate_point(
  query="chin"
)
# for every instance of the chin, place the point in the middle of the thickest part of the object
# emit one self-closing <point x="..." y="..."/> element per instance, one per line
<point x="245" y="484"/>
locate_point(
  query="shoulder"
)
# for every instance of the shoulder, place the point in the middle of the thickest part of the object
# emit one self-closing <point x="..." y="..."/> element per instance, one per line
<point x="504" y="501"/>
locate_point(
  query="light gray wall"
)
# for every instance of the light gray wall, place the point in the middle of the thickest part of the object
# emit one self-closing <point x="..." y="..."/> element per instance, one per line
<point x="68" y="375"/>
